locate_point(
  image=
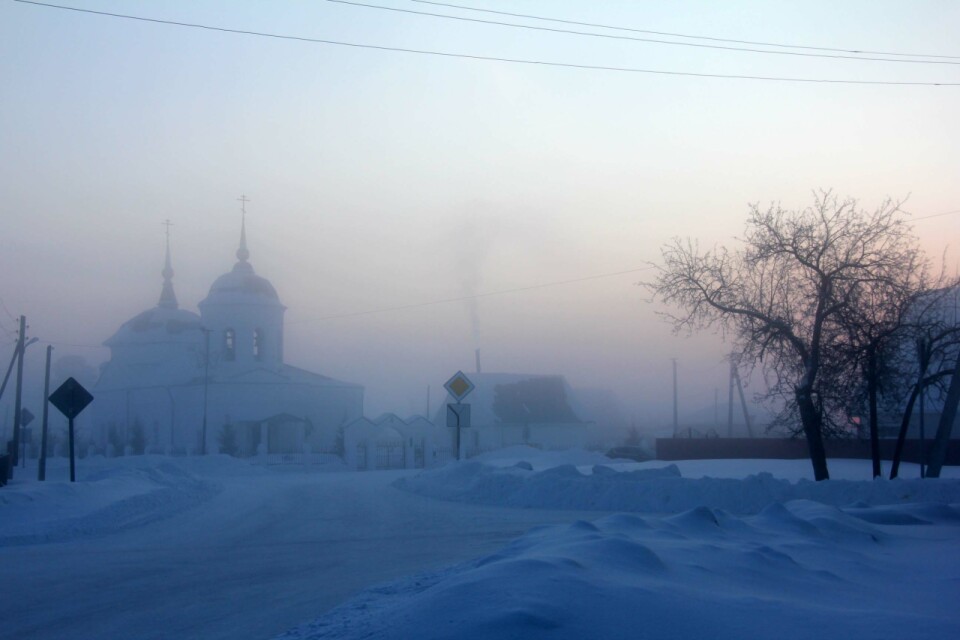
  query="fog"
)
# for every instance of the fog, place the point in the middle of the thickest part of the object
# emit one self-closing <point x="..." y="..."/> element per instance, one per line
<point x="410" y="209"/>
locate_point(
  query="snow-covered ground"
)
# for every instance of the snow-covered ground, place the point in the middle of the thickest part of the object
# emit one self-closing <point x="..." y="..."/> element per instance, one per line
<point x="515" y="544"/>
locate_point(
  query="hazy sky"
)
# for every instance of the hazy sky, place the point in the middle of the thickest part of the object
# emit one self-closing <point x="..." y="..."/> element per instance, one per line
<point x="382" y="179"/>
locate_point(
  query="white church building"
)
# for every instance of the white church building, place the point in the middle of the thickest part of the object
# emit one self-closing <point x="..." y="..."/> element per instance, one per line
<point x="179" y="382"/>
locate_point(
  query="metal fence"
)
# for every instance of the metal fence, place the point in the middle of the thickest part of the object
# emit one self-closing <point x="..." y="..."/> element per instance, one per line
<point x="390" y="455"/>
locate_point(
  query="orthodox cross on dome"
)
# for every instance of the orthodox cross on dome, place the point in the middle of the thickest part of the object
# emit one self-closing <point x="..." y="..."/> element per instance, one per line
<point x="242" y="253"/>
<point x="168" y="299"/>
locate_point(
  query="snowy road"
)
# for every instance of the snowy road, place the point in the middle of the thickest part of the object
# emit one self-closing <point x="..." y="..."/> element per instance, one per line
<point x="268" y="551"/>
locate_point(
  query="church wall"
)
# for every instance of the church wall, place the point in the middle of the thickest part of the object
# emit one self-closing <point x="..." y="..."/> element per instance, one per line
<point x="326" y="408"/>
<point x="244" y="320"/>
<point x="172" y="416"/>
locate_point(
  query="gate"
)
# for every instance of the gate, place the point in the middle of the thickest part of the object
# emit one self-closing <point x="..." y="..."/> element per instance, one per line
<point x="390" y="455"/>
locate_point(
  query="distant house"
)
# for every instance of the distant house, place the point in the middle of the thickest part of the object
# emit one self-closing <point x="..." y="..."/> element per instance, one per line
<point x="510" y="409"/>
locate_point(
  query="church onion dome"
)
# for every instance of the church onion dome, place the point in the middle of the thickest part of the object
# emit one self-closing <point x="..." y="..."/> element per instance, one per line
<point x="242" y="285"/>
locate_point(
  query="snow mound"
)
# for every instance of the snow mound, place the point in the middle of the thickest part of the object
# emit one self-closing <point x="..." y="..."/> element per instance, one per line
<point x="109" y="496"/>
<point x="539" y="458"/>
<point x="798" y="568"/>
<point x="655" y="489"/>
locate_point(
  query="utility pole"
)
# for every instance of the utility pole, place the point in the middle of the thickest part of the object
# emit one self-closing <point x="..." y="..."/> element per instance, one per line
<point x="206" y="386"/>
<point x="733" y="370"/>
<point x="923" y="357"/>
<point x="42" y="464"/>
<point x="923" y="435"/>
<point x="716" y="407"/>
<point x="21" y="347"/>
<point x="675" y="420"/>
<point x="743" y="403"/>
<point x="6" y="378"/>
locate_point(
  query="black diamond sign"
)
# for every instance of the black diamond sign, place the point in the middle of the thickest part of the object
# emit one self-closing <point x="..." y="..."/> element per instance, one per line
<point x="71" y="398"/>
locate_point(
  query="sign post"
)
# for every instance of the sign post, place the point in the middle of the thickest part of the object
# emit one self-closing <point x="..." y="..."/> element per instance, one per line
<point x="70" y="399"/>
<point x="25" y="434"/>
<point x="458" y="413"/>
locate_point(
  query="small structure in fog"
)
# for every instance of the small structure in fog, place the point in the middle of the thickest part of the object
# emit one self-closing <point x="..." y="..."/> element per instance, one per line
<point x="390" y="442"/>
<point x="510" y="409"/>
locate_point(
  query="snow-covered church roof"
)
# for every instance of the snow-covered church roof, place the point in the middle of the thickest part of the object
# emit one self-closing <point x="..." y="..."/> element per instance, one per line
<point x="158" y="325"/>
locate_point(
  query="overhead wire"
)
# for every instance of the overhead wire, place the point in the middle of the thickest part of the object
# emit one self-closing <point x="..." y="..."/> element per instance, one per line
<point x="938" y="215"/>
<point x="682" y="35"/>
<point x="519" y="289"/>
<point x="636" y="39"/>
<point x="487" y="294"/>
<point x="543" y="63"/>
<point x="3" y="305"/>
<point x="497" y="59"/>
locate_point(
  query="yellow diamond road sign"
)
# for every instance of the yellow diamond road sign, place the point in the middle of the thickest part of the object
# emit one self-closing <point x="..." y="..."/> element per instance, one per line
<point x="459" y="386"/>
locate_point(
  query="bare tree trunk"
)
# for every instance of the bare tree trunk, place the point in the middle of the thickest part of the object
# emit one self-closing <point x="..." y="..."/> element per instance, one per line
<point x="904" y="427"/>
<point x="923" y="362"/>
<point x="872" y="399"/>
<point x="811" y="421"/>
<point x="947" y="418"/>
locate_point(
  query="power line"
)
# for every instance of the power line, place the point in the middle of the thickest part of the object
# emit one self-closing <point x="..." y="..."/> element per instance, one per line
<point x="3" y="305"/>
<point x="543" y="63"/>
<point x="9" y="332"/>
<point x="431" y="303"/>
<point x="476" y="296"/>
<point x="681" y="35"/>
<point x="937" y="215"/>
<point x="636" y="39"/>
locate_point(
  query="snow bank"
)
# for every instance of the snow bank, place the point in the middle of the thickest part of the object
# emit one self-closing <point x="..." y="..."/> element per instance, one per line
<point x="110" y="495"/>
<point x="798" y="570"/>
<point x="654" y="489"/>
<point x="540" y="459"/>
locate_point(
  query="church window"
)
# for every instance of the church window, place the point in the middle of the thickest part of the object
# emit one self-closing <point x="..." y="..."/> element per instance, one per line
<point x="229" y="345"/>
<point x="258" y="344"/>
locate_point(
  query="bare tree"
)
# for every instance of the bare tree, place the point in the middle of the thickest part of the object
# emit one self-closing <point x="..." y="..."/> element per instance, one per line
<point x="947" y="417"/>
<point x="877" y="322"/>
<point x="928" y="351"/>
<point x="781" y="295"/>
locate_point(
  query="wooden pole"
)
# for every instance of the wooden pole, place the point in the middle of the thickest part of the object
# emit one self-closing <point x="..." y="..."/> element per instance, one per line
<point x="743" y="403"/>
<point x="21" y="347"/>
<point x="676" y="421"/>
<point x="73" y="469"/>
<point x="42" y="465"/>
<point x="733" y="369"/>
<point x="206" y="386"/>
